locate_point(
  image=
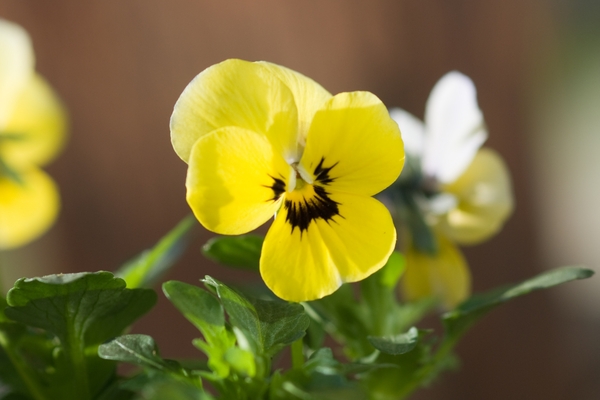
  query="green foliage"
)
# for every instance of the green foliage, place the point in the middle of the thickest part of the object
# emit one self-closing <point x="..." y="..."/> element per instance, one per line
<point x="146" y="268"/>
<point x="267" y="325"/>
<point x="59" y="334"/>
<point x="235" y="251"/>
<point x="397" y="344"/>
<point x="466" y="314"/>
<point x="51" y="327"/>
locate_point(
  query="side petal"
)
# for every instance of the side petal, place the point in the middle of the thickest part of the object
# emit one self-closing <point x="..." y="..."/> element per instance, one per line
<point x="36" y="128"/>
<point x="455" y="127"/>
<point x="485" y="200"/>
<point x="307" y="262"/>
<point x="235" y="180"/>
<point x="353" y="145"/>
<point x="412" y="131"/>
<point x="240" y="94"/>
<point x="308" y="94"/>
<point x="27" y="209"/>
<point x="16" y="65"/>
<point x="444" y="275"/>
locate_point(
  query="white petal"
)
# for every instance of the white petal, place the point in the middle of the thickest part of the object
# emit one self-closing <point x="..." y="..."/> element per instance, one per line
<point x="455" y="127"/>
<point x="412" y="131"/>
<point x="16" y="65"/>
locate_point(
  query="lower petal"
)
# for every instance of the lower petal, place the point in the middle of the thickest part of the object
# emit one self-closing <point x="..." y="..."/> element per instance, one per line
<point x="235" y="180"/>
<point x="27" y="208"/>
<point x="311" y="260"/>
<point x="444" y="275"/>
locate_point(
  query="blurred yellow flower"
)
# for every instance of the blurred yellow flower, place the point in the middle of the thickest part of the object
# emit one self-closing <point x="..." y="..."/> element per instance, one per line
<point x="32" y="131"/>
<point x="261" y="140"/>
<point x="462" y="191"/>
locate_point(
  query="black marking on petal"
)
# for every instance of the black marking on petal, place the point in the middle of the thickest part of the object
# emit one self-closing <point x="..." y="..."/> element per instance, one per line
<point x="278" y="188"/>
<point x="301" y="213"/>
<point x="322" y="173"/>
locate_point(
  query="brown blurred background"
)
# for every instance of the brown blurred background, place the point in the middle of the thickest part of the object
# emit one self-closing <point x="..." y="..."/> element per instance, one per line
<point x="120" y="66"/>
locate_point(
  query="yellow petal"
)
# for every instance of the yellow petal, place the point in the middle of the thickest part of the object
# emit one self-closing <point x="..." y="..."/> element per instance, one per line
<point x="240" y="94"/>
<point x="235" y="180"/>
<point x="445" y="275"/>
<point x="320" y="240"/>
<point x="27" y="209"/>
<point x="38" y="122"/>
<point x="308" y="95"/>
<point x="353" y="146"/>
<point x="485" y="200"/>
<point x="16" y="65"/>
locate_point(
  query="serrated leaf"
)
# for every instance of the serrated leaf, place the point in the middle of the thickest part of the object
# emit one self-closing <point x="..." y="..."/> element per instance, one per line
<point x="398" y="344"/>
<point x="85" y="307"/>
<point x="459" y="320"/>
<point x="269" y="325"/>
<point x="134" y="349"/>
<point x="235" y="251"/>
<point x="206" y="313"/>
<point x="198" y="306"/>
<point x="82" y="310"/>
<point x="147" y="267"/>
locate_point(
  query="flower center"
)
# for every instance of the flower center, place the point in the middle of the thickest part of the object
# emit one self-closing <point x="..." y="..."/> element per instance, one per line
<point x="306" y="198"/>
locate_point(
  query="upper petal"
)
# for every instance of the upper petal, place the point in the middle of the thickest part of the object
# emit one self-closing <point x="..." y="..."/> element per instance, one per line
<point x="353" y="145"/>
<point x="35" y="131"/>
<point x="16" y="65"/>
<point x="235" y="180"/>
<point x="310" y="251"/>
<point x="308" y="94"/>
<point x="27" y="208"/>
<point x="235" y="93"/>
<point x="485" y="200"/>
<point x="455" y="127"/>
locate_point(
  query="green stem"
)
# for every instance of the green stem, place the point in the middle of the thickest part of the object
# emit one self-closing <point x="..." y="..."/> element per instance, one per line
<point x="75" y="351"/>
<point x="23" y="369"/>
<point x="297" y="354"/>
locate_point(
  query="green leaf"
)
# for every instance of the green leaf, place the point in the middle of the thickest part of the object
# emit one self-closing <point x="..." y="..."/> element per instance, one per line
<point x="198" y="306"/>
<point x="134" y="349"/>
<point x="391" y="272"/>
<point x="321" y="377"/>
<point x="235" y="251"/>
<point x="206" y="313"/>
<point x="398" y="344"/>
<point x="146" y="268"/>
<point x="466" y="314"/>
<point x="82" y="310"/>
<point x="242" y="361"/>
<point x="85" y="307"/>
<point x="268" y="325"/>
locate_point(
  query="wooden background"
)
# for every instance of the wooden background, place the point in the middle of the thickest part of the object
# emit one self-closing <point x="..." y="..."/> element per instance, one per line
<point x="120" y="65"/>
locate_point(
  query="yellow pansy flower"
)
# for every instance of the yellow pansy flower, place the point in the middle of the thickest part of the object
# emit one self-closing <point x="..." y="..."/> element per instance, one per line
<point x="263" y="140"/>
<point x="32" y="131"/>
<point x="462" y="191"/>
